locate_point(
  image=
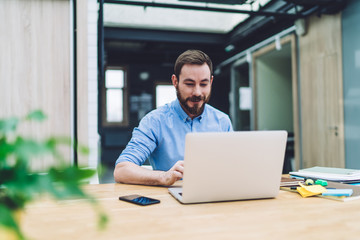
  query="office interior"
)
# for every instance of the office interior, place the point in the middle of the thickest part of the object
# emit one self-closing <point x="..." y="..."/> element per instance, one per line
<point x="278" y="65"/>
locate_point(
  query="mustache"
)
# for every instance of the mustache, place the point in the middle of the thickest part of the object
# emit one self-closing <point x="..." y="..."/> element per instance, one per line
<point x="195" y="98"/>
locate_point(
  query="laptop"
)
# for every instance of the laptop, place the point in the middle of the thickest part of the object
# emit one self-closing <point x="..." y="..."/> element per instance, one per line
<point x="228" y="166"/>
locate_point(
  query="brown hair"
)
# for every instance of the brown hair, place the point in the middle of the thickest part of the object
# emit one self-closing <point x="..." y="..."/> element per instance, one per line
<point x="192" y="57"/>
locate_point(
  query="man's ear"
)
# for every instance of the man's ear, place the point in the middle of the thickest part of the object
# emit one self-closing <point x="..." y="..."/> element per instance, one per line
<point x="211" y="79"/>
<point x="174" y="80"/>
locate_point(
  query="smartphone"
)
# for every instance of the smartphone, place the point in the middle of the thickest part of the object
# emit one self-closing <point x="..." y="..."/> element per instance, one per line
<point x="139" y="200"/>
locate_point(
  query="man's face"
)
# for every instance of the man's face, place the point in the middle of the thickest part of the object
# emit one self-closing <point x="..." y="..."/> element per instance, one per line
<point x="193" y="88"/>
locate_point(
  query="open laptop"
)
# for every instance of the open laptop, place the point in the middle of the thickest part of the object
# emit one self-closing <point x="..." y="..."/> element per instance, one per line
<point x="226" y="166"/>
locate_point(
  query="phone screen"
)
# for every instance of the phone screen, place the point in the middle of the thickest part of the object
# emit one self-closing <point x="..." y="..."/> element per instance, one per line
<point x="138" y="199"/>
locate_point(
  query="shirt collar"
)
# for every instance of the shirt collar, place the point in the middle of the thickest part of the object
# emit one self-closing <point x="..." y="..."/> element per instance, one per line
<point x="183" y="115"/>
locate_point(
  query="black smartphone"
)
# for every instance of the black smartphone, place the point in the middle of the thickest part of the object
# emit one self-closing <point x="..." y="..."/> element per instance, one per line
<point x="139" y="200"/>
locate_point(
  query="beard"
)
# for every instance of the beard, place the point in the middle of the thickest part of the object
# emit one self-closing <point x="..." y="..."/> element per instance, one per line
<point x="197" y="109"/>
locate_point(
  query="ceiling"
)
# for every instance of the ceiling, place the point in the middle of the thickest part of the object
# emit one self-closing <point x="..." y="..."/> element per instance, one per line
<point x="158" y="30"/>
<point x="186" y="16"/>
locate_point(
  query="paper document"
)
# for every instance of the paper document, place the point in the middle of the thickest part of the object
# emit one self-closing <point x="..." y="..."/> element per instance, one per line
<point x="328" y="173"/>
<point x="333" y="170"/>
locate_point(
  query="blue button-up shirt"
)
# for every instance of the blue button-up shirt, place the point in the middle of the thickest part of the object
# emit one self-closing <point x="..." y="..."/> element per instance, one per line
<point x="160" y="135"/>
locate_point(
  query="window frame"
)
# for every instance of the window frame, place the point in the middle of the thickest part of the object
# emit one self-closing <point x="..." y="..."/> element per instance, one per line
<point x="125" y="121"/>
<point x="157" y="84"/>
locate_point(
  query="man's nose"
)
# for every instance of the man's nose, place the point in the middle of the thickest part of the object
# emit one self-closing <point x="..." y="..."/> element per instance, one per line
<point x="197" y="91"/>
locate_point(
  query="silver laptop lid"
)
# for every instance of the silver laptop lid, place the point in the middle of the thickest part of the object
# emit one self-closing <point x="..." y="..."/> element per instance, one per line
<point x="233" y="165"/>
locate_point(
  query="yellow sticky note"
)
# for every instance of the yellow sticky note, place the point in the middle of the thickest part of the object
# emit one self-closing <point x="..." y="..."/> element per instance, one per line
<point x="307" y="191"/>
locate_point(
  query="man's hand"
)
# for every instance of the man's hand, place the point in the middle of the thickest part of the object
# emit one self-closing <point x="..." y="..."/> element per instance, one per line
<point x="174" y="174"/>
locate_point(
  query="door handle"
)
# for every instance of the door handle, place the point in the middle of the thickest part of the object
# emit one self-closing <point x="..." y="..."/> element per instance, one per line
<point x="334" y="128"/>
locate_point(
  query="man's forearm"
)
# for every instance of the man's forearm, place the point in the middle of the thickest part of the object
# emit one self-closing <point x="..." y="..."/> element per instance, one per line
<point x="127" y="172"/>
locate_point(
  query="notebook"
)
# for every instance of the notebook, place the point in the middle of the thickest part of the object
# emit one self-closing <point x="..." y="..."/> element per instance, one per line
<point x="227" y="166"/>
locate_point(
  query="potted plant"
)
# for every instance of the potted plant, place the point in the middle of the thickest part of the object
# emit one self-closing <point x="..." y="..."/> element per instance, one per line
<point x="19" y="185"/>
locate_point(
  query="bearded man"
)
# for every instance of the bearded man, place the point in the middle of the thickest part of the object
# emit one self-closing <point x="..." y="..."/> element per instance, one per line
<point x="160" y="136"/>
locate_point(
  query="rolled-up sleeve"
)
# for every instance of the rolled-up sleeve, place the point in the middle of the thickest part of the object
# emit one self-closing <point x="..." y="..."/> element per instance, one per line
<point x="142" y="143"/>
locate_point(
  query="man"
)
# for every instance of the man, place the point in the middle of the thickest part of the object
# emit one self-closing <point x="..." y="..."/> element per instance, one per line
<point x="160" y="135"/>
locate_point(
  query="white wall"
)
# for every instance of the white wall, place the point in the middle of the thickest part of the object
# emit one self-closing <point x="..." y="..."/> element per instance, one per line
<point x="35" y="66"/>
<point x="93" y="136"/>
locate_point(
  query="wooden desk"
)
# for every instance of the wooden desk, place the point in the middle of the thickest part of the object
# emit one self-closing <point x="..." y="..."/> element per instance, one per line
<point x="289" y="216"/>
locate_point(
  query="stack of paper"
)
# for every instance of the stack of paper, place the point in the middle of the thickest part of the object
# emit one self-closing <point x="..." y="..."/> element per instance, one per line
<point x="328" y="173"/>
<point x="290" y="182"/>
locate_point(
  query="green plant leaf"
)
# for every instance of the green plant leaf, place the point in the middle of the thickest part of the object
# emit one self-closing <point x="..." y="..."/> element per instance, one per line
<point x="83" y="150"/>
<point x="8" y="125"/>
<point x="103" y="220"/>
<point x="19" y="185"/>
<point x="7" y="174"/>
<point x="36" y="115"/>
<point x="6" y="149"/>
<point x="27" y="148"/>
<point x="62" y="140"/>
<point x="71" y="174"/>
<point x="7" y="220"/>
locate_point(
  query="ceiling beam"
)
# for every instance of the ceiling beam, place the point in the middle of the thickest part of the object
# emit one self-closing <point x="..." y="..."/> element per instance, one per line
<point x="199" y="8"/>
<point x="128" y="34"/>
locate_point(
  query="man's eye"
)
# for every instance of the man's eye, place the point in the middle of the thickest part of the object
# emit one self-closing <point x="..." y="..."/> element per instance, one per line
<point x="189" y="84"/>
<point x="203" y="84"/>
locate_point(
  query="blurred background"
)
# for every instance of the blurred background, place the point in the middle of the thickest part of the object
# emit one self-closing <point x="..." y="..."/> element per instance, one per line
<point x="97" y="67"/>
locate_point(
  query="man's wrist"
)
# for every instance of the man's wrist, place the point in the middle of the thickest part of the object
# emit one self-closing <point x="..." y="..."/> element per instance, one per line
<point x="162" y="178"/>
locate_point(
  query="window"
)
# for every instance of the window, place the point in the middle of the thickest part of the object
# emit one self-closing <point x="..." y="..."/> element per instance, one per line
<point x="164" y="93"/>
<point x="115" y="110"/>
